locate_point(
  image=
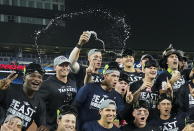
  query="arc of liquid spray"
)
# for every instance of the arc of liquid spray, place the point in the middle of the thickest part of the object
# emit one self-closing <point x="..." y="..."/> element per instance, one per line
<point x="118" y="19"/>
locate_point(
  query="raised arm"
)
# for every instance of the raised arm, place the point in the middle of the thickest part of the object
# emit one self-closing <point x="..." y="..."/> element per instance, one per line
<point x="74" y="55"/>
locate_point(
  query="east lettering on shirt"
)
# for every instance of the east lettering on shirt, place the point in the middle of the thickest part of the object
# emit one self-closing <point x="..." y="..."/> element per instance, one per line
<point x="95" y="126"/>
<point x="161" y="81"/>
<point x="134" y="76"/>
<point x="150" y="97"/>
<point x="89" y="99"/>
<point x="55" y="93"/>
<point x="14" y="101"/>
<point x="174" y="123"/>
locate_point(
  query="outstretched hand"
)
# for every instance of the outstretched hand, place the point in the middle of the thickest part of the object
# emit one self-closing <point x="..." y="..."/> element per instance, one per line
<point x="4" y="83"/>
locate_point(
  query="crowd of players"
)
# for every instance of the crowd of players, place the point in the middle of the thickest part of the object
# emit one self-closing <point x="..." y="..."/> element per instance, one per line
<point x="118" y="98"/>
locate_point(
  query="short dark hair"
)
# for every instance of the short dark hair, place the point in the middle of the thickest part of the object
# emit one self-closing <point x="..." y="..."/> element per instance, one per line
<point x="129" y="52"/>
<point x="33" y="67"/>
<point x="66" y="109"/>
<point x="151" y="63"/>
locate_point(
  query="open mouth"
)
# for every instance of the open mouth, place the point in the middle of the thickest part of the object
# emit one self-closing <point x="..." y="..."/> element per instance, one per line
<point x="166" y="110"/>
<point x="36" y="83"/>
<point x="175" y="63"/>
<point x="153" y="73"/>
<point x="114" y="83"/>
<point x="142" y="118"/>
<point x="122" y="90"/>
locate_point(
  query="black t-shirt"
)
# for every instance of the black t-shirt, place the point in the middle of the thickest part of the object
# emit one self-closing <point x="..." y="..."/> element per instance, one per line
<point x="89" y="99"/>
<point x="55" y="93"/>
<point x="132" y="127"/>
<point x="162" y="79"/>
<point x="95" y="126"/>
<point x="134" y="76"/>
<point x="174" y="123"/>
<point x="14" y="101"/>
<point x="185" y="101"/>
<point x="81" y="75"/>
<point x="151" y="97"/>
<point x="186" y="73"/>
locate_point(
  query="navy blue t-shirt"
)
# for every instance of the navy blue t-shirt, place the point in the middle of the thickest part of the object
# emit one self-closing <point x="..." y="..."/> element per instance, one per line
<point x="95" y="126"/>
<point x="89" y="99"/>
<point x="175" y="123"/>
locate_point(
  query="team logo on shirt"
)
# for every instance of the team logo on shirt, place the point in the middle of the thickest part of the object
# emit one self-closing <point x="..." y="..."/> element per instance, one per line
<point x="133" y="78"/>
<point x="170" y="126"/>
<point x="67" y="89"/>
<point x="96" y="101"/>
<point x="150" y="97"/>
<point x="22" y="110"/>
<point x="178" y="83"/>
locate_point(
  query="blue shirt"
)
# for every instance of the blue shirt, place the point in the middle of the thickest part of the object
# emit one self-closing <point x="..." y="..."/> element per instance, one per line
<point x="90" y="97"/>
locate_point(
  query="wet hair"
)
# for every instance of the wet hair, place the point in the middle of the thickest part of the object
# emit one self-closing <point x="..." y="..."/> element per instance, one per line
<point x="128" y="52"/>
<point x="151" y="63"/>
<point x="123" y="77"/>
<point x="141" y="104"/>
<point x="110" y="67"/>
<point x="33" y="67"/>
<point x="66" y="109"/>
<point x="164" y="96"/>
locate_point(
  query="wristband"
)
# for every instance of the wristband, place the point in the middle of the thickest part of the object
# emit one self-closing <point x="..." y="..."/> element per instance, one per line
<point x="78" y="46"/>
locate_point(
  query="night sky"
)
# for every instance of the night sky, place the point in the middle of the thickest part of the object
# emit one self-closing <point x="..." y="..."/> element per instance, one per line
<point x="154" y="23"/>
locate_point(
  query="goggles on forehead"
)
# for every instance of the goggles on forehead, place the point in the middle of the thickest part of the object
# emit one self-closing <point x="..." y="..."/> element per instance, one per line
<point x="67" y="109"/>
<point x="29" y="71"/>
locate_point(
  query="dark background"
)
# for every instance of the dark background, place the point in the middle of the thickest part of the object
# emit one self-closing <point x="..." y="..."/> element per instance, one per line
<point x="154" y="24"/>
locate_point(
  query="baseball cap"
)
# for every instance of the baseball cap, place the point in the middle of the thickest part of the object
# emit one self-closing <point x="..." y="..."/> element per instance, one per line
<point x="92" y="51"/>
<point x="151" y="63"/>
<point x="60" y="59"/>
<point x="106" y="104"/>
<point x="166" y="53"/>
<point x="146" y="56"/>
<point x="128" y="52"/>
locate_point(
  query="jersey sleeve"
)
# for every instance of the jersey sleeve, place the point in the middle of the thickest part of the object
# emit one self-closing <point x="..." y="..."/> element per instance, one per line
<point x="82" y="95"/>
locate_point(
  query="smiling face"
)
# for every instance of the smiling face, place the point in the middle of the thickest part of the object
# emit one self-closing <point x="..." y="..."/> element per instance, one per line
<point x="140" y="115"/>
<point x="67" y="123"/>
<point x="108" y="114"/>
<point x="150" y="72"/>
<point x="62" y="70"/>
<point x="128" y="61"/>
<point x="173" y="61"/>
<point x="33" y="81"/>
